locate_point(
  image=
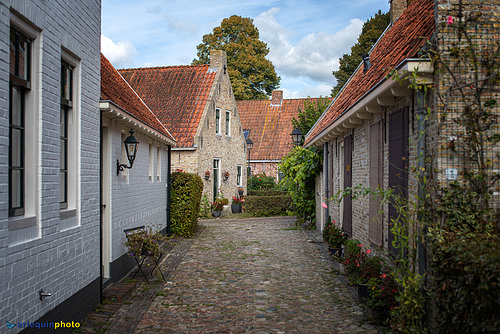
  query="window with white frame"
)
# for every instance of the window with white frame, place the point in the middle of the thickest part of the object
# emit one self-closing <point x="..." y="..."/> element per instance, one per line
<point x="158" y="163"/>
<point x="19" y="86"/>
<point x="238" y="175"/>
<point x="228" y="123"/>
<point x="217" y="121"/>
<point x="68" y="134"/>
<point x="151" y="161"/>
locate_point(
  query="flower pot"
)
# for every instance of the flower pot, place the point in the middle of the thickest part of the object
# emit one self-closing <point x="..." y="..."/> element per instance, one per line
<point x="216" y="213"/>
<point x="235" y="208"/>
<point x="363" y="292"/>
<point x="335" y="252"/>
<point x="207" y="177"/>
<point x="240" y="192"/>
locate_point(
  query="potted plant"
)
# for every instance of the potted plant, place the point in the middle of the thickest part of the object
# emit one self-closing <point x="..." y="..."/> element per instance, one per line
<point x="353" y="256"/>
<point x="236" y="205"/>
<point x="207" y="175"/>
<point x="144" y="242"/>
<point x="335" y="238"/>
<point x="226" y="175"/>
<point x="369" y="267"/>
<point x="240" y="191"/>
<point x="217" y="207"/>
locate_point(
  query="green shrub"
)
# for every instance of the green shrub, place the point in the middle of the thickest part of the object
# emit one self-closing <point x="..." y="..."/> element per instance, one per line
<point x="261" y="182"/>
<point x="466" y="289"/>
<point x="268" y="206"/>
<point x="185" y="202"/>
<point x="267" y="192"/>
<point x="205" y="208"/>
<point x="352" y="260"/>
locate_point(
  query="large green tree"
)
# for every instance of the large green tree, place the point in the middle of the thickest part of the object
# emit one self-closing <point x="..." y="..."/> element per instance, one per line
<point x="372" y="29"/>
<point x="310" y="113"/>
<point x="253" y="77"/>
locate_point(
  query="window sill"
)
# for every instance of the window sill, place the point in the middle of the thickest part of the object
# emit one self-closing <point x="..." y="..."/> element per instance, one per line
<point x="67" y="213"/>
<point x="21" y="222"/>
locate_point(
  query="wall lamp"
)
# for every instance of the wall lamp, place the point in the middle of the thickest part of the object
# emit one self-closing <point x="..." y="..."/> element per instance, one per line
<point x="297" y="136"/>
<point x="131" y="148"/>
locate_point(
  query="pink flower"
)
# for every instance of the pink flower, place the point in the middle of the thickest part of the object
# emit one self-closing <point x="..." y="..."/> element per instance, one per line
<point x="368" y="251"/>
<point x="383" y="276"/>
<point x="324" y="205"/>
<point x="360" y="245"/>
<point x="450" y="20"/>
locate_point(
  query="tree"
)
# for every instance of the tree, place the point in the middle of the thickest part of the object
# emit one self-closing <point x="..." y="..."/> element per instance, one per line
<point x="253" y="77"/>
<point x="313" y="108"/>
<point x="372" y="29"/>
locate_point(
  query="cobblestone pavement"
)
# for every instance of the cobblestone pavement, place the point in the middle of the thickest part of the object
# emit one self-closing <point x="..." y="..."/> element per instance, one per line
<point x="250" y="276"/>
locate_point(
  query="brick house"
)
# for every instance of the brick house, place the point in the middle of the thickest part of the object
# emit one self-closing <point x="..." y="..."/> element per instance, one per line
<point x="196" y="103"/>
<point x="370" y="132"/>
<point x="269" y="126"/>
<point x="136" y="196"/>
<point x="49" y="161"/>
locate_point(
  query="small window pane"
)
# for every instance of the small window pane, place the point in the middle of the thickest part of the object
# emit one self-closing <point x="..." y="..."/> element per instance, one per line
<point x="16" y="107"/>
<point x="63" y="186"/>
<point x="16" y="184"/>
<point x="16" y="149"/>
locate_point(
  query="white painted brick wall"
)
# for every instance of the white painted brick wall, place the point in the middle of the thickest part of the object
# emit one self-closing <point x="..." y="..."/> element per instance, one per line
<point x="59" y="262"/>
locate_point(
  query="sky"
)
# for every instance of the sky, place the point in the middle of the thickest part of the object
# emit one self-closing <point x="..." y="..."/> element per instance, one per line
<point x="306" y="38"/>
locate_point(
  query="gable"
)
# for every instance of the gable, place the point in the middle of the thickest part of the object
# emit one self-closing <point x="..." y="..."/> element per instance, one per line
<point x="177" y="95"/>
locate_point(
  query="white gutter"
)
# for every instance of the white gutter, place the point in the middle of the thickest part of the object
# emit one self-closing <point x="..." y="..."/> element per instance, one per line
<point x="374" y="100"/>
<point x="117" y="111"/>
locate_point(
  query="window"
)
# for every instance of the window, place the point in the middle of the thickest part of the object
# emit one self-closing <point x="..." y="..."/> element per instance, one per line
<point x="158" y="163"/>
<point x="228" y="123"/>
<point x="217" y="121"/>
<point x="20" y="60"/>
<point x="238" y="175"/>
<point x="216" y="173"/>
<point x="151" y="161"/>
<point x="66" y="105"/>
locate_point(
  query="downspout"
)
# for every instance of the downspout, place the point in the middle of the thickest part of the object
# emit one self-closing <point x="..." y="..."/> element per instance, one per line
<point x="327" y="192"/>
<point x="421" y="119"/>
<point x="169" y="187"/>
<point x="101" y="273"/>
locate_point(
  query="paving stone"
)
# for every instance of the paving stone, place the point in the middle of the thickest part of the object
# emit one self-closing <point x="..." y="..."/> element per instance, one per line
<point x="246" y="276"/>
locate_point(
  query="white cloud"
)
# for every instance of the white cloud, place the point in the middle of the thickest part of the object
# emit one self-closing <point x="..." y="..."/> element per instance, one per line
<point x="314" y="57"/>
<point x="120" y="54"/>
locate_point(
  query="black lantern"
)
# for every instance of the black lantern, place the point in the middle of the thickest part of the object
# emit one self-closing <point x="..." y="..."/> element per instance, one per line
<point x="297" y="136"/>
<point x="131" y="148"/>
<point x="249" y="144"/>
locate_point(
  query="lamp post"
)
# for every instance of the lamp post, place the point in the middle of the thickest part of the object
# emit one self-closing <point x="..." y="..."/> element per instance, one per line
<point x="297" y="136"/>
<point x="249" y="147"/>
<point x="131" y="148"/>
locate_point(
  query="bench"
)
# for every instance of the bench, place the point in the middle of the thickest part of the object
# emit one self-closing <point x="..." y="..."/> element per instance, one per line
<point x="141" y="258"/>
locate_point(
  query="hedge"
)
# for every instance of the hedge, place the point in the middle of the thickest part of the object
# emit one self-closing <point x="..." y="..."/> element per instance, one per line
<point x="465" y="276"/>
<point x="267" y="192"/>
<point x="185" y="202"/>
<point x="268" y="206"/>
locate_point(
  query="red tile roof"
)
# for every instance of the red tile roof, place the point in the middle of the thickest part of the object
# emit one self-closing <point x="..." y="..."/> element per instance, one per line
<point x="270" y="126"/>
<point x="176" y="94"/>
<point x="403" y="40"/>
<point x="115" y="89"/>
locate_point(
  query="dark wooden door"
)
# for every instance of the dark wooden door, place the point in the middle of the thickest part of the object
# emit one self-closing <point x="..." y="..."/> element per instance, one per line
<point x="375" y="231"/>
<point x="347" y="212"/>
<point x="398" y="165"/>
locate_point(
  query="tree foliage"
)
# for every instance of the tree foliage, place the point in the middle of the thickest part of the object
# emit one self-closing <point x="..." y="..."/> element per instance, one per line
<point x="253" y="77"/>
<point x="300" y="168"/>
<point x="313" y="108"/>
<point x="372" y="29"/>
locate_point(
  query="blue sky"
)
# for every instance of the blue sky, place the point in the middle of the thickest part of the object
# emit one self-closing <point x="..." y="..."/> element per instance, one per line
<point x="306" y="38"/>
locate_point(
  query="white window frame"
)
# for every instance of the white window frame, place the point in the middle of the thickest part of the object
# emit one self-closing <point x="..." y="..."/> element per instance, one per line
<point x="158" y="163"/>
<point x="151" y="162"/>
<point x="26" y="227"/>
<point x="217" y="121"/>
<point x="228" y="123"/>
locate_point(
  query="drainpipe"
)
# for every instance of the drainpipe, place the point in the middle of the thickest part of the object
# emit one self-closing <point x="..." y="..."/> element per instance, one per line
<point x="169" y="186"/>
<point x="327" y="192"/>
<point x="421" y="115"/>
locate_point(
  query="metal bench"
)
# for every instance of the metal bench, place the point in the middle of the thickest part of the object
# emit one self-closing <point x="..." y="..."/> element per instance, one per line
<point x="141" y="258"/>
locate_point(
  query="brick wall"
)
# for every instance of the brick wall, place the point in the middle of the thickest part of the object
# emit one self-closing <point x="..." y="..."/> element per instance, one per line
<point x="47" y="256"/>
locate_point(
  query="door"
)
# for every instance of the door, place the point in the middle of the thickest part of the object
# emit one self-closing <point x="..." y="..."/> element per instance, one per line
<point x="347" y="207"/>
<point x="105" y="202"/>
<point x="398" y="165"/>
<point x="216" y="173"/>
<point x="375" y="231"/>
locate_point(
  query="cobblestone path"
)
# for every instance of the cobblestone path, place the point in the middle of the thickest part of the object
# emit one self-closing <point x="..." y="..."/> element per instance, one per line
<point x="253" y="276"/>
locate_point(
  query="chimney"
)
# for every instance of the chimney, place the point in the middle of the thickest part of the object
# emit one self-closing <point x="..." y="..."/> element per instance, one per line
<point x="397" y="8"/>
<point x="277" y="98"/>
<point x="218" y="59"/>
